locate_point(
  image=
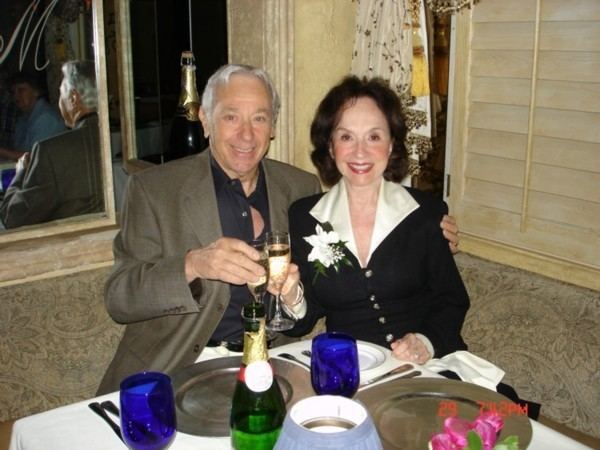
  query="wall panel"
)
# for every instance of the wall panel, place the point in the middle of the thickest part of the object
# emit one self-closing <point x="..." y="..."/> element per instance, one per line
<point x="526" y="135"/>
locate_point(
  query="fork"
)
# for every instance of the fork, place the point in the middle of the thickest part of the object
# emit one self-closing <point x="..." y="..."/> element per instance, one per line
<point x="293" y="358"/>
<point x="95" y="406"/>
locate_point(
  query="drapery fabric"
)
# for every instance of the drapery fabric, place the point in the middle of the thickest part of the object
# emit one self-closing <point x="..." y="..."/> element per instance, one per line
<point x="383" y="47"/>
<point x="439" y="7"/>
<point x="392" y="41"/>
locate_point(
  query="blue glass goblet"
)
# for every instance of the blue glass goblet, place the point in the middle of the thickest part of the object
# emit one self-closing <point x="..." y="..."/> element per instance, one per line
<point x="7" y="177"/>
<point x="334" y="368"/>
<point x="147" y="411"/>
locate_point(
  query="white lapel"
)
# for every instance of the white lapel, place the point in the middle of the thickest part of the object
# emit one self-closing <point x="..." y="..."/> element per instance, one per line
<point x="394" y="204"/>
<point x="333" y="208"/>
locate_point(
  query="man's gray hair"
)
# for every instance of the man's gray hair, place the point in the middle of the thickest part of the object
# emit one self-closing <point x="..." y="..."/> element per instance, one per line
<point x="221" y="77"/>
<point x="81" y="76"/>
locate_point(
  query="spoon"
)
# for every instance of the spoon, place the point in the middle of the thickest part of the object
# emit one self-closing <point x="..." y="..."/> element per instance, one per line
<point x="293" y="358"/>
<point x="306" y="353"/>
<point x="110" y="407"/>
<point x="95" y="406"/>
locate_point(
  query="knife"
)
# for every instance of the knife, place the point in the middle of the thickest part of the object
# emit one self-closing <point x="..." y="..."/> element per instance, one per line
<point x="95" y="406"/>
<point x="399" y="369"/>
<point x="110" y="407"/>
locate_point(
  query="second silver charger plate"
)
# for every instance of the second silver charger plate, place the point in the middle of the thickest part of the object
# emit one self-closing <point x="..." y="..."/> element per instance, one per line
<point x="203" y="392"/>
<point x="407" y="413"/>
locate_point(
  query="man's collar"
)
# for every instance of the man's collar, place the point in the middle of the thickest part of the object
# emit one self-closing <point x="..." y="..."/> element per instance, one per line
<point x="221" y="178"/>
<point x="81" y="119"/>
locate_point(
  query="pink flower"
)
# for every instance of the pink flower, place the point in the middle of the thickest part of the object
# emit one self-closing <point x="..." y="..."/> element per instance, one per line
<point x="487" y="433"/>
<point x="492" y="418"/>
<point x="454" y="436"/>
<point x="442" y="441"/>
<point x="457" y="429"/>
<point x="487" y="425"/>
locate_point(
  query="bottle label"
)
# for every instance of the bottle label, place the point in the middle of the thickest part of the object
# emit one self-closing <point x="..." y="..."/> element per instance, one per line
<point x="258" y="376"/>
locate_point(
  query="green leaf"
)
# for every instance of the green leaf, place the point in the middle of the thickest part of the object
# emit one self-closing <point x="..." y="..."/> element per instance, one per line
<point x="509" y="443"/>
<point x="326" y="226"/>
<point x="473" y="441"/>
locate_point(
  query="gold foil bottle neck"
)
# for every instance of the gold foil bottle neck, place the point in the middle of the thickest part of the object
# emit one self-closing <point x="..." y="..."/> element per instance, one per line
<point x="189" y="100"/>
<point x="255" y="344"/>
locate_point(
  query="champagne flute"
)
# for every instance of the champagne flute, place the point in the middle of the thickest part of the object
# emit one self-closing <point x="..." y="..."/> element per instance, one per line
<point x="259" y="287"/>
<point x="147" y="411"/>
<point x="278" y="245"/>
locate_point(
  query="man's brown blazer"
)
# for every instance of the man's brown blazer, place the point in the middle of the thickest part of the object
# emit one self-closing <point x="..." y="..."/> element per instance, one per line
<point x="169" y="210"/>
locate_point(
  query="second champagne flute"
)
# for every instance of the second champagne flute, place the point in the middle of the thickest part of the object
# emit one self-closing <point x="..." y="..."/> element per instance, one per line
<point x="278" y="245"/>
<point x="258" y="288"/>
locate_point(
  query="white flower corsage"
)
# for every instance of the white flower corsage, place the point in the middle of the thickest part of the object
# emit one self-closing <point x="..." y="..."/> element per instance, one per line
<point x="328" y="250"/>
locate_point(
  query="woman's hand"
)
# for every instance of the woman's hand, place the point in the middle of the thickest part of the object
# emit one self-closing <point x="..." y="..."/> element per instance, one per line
<point x="410" y="348"/>
<point x="450" y="230"/>
<point x="289" y="291"/>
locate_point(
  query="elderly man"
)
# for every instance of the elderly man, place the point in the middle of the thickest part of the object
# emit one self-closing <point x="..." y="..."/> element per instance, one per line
<point x="61" y="177"/>
<point x="37" y="120"/>
<point x="181" y="261"/>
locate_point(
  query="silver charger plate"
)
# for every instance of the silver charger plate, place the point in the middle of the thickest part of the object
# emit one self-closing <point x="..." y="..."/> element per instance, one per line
<point x="407" y="413"/>
<point x="203" y="392"/>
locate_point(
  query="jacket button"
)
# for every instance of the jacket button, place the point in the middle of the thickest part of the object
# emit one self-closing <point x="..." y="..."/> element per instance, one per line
<point x="376" y="306"/>
<point x="389" y="337"/>
<point x="382" y="320"/>
<point x="372" y="297"/>
<point x="196" y="348"/>
<point x="369" y="273"/>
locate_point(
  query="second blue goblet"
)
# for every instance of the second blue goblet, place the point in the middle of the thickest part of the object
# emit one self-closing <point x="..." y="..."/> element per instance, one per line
<point x="334" y="368"/>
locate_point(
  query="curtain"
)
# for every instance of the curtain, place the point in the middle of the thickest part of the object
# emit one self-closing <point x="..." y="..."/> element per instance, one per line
<point x="391" y="36"/>
<point x="440" y="7"/>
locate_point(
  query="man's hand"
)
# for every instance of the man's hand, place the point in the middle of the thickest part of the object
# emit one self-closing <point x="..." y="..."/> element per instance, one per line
<point x="227" y="259"/>
<point x="450" y="230"/>
<point x="23" y="162"/>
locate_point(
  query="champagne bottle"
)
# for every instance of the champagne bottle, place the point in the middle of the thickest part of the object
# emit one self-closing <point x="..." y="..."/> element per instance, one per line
<point x="257" y="408"/>
<point x="187" y="135"/>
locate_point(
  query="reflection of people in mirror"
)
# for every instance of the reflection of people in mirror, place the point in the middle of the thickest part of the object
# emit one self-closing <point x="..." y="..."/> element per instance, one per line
<point x="8" y="112"/>
<point x="37" y="119"/>
<point x="61" y="177"/>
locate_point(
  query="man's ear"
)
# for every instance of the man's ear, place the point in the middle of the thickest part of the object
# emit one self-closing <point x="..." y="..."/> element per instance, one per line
<point x="74" y="98"/>
<point x="204" y="122"/>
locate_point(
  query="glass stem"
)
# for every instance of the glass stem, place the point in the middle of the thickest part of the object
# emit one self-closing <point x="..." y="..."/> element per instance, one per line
<point x="279" y="300"/>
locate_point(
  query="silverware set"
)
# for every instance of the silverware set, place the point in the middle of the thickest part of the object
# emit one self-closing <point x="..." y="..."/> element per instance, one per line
<point x="101" y="408"/>
<point x="293" y="358"/>
<point x="391" y="373"/>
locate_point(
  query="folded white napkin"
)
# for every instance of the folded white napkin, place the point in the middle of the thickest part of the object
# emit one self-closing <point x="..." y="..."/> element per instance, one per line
<point x="468" y="367"/>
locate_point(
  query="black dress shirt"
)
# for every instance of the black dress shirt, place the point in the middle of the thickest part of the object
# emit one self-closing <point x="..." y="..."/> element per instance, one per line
<point x="236" y="221"/>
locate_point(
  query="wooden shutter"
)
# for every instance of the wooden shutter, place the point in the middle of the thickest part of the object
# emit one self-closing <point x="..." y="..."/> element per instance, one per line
<point x="526" y="135"/>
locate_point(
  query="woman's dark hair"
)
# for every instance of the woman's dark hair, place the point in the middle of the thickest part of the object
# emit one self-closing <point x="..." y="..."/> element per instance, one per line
<point x="330" y="112"/>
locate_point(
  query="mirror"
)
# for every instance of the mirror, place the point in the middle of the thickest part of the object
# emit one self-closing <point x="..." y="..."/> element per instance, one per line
<point x="41" y="35"/>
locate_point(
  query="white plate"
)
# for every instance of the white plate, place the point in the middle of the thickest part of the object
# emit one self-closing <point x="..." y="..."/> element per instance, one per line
<point x="370" y="356"/>
<point x="373" y="359"/>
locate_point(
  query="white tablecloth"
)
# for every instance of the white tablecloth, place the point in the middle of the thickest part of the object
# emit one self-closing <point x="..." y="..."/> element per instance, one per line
<point x="76" y="427"/>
